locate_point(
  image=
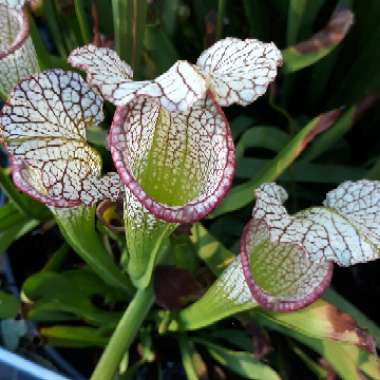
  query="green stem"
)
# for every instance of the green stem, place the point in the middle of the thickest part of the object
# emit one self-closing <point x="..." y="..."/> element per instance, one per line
<point x="124" y="334"/>
<point x="219" y="21"/>
<point x="82" y="21"/>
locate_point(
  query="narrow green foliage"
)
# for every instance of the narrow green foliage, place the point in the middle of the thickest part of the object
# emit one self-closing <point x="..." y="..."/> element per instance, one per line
<point x="51" y="16"/>
<point x="57" y="258"/>
<point x="191" y="360"/>
<point x="242" y="195"/>
<point x="256" y="12"/>
<point x="296" y="13"/>
<point x="67" y="296"/>
<point x="220" y="18"/>
<point x="210" y="250"/>
<point x="16" y="231"/>
<point x="83" y="21"/>
<point x="239" y="362"/>
<point x="159" y="51"/>
<point x="261" y="137"/>
<point x="320" y="372"/>
<point x="45" y="59"/>
<point x="23" y="203"/>
<point x="169" y="12"/>
<point x="129" y="18"/>
<point x="346" y="359"/>
<point x="74" y="336"/>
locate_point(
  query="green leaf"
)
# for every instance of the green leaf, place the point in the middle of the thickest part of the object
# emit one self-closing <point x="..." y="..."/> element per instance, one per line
<point x="105" y="11"/>
<point x="296" y="12"/>
<point x="192" y="361"/>
<point x="168" y="12"/>
<point x="256" y="12"/>
<point x="239" y="124"/>
<point x="129" y="25"/>
<point x="131" y="372"/>
<point x="159" y="50"/>
<point x="261" y="137"/>
<point x="83" y="21"/>
<point x="240" y="362"/>
<point x="322" y="70"/>
<point x="220" y="19"/>
<point x="239" y="338"/>
<point x="10" y="215"/>
<point x="346" y="359"/>
<point x="362" y="75"/>
<point x="74" y="336"/>
<point x="202" y="9"/>
<point x="45" y="59"/>
<point x="183" y="252"/>
<point x="77" y="226"/>
<point x="97" y="136"/>
<point x="210" y="250"/>
<point x="51" y="16"/>
<point x="303" y="171"/>
<point x="9" y="305"/>
<point x="242" y="195"/>
<point x="56" y="260"/>
<point x="9" y="235"/>
<point x="320" y="372"/>
<point x="309" y="18"/>
<point x="27" y="206"/>
<point x="51" y="294"/>
<point x="320" y="320"/>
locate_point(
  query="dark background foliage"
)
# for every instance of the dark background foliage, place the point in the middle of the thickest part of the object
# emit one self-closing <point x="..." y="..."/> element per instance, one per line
<point x="346" y="79"/>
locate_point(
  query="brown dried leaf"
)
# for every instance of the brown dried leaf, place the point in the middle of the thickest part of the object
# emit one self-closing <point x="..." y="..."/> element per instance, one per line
<point x="343" y="325"/>
<point x="332" y="34"/>
<point x="324" y="122"/>
<point x="322" y="320"/>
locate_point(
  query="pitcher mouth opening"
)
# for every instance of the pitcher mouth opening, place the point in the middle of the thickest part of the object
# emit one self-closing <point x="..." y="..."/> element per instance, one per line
<point x="270" y="301"/>
<point x="193" y="210"/>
